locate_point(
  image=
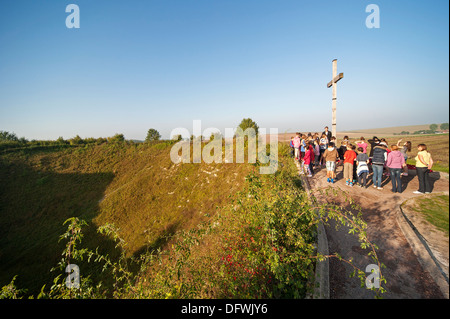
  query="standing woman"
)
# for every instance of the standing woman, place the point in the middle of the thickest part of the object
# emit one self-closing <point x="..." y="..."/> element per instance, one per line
<point x="424" y="162"/>
<point x="395" y="162"/>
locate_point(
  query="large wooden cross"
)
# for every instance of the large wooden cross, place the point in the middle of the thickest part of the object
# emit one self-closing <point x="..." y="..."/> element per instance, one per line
<point x="336" y="78"/>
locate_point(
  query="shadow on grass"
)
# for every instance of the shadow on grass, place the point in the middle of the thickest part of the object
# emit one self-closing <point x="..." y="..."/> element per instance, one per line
<point x="161" y="241"/>
<point x="33" y="207"/>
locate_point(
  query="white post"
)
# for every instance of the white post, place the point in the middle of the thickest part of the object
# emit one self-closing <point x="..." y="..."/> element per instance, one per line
<point x="334" y="86"/>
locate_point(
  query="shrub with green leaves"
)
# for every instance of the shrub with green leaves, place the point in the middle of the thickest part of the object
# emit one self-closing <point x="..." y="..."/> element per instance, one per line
<point x="261" y="245"/>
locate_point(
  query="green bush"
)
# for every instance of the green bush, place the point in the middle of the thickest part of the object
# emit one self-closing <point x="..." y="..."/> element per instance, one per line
<point x="117" y="138"/>
<point x="152" y="135"/>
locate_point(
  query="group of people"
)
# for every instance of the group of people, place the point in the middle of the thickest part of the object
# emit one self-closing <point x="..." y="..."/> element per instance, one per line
<point x="314" y="151"/>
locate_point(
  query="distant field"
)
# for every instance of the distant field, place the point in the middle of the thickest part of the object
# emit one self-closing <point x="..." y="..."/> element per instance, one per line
<point x="391" y="130"/>
<point x="384" y="131"/>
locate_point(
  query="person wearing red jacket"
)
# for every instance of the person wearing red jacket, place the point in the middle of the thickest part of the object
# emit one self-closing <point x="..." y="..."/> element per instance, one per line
<point x="349" y="160"/>
<point x="308" y="159"/>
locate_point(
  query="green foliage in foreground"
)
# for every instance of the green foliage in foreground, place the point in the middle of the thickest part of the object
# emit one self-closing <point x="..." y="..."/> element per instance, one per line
<point x="263" y="245"/>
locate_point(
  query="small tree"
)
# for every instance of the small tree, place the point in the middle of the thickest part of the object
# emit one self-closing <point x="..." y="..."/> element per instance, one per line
<point x="177" y="137"/>
<point x="433" y="127"/>
<point x="8" y="137"/>
<point x="61" y="140"/>
<point x="444" y="126"/>
<point x="152" y="135"/>
<point x="118" y="138"/>
<point x="248" y="123"/>
<point x="77" y="140"/>
<point x="215" y="135"/>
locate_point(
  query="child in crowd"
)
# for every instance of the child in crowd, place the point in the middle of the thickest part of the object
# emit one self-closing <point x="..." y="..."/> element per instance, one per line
<point x="308" y="159"/>
<point x="291" y="145"/>
<point x="331" y="156"/>
<point x="323" y="144"/>
<point x="341" y="151"/>
<point x="296" y="143"/>
<point x="355" y="175"/>
<point x="302" y="146"/>
<point x="424" y="163"/>
<point x="362" y="143"/>
<point x="333" y="139"/>
<point x="316" y="152"/>
<point x="362" y="170"/>
<point x="405" y="148"/>
<point x="316" y="136"/>
<point x="349" y="158"/>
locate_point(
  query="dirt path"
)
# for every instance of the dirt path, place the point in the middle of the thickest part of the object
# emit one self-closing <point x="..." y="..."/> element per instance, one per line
<point x="405" y="276"/>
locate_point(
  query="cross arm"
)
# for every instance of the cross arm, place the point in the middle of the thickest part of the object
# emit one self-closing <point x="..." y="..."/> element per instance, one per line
<point x="335" y="80"/>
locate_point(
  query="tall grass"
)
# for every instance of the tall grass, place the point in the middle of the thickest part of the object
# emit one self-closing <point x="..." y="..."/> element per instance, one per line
<point x="258" y="241"/>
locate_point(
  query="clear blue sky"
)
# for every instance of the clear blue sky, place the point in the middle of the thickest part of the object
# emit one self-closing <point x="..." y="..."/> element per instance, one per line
<point x="135" y="65"/>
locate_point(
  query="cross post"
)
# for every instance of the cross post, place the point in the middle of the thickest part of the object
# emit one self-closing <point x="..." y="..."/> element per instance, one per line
<point x="332" y="83"/>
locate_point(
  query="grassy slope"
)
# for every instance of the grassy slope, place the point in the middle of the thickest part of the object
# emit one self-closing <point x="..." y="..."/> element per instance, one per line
<point x="435" y="210"/>
<point x="136" y="187"/>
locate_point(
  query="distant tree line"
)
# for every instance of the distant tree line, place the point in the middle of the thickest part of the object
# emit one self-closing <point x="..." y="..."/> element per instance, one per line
<point x="432" y="130"/>
<point x="11" y="140"/>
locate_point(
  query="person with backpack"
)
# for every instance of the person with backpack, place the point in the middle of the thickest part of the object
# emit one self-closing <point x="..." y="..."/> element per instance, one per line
<point x="362" y="170"/>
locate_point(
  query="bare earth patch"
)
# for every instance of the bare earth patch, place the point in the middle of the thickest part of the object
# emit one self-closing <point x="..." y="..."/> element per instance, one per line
<point x="406" y="278"/>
